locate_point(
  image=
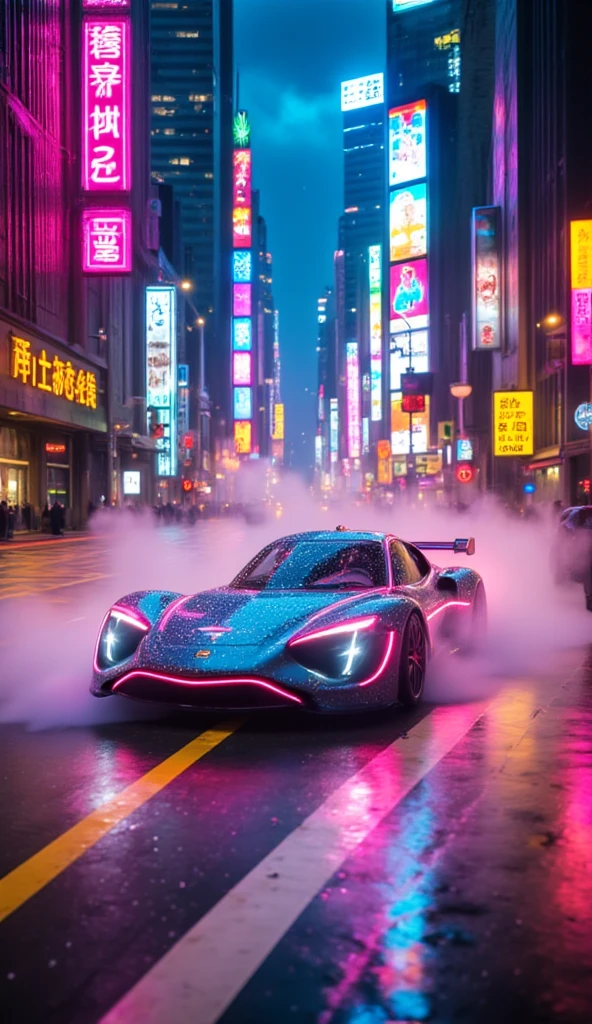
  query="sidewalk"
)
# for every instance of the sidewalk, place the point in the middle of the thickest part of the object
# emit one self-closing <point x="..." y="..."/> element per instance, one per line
<point x="23" y="539"/>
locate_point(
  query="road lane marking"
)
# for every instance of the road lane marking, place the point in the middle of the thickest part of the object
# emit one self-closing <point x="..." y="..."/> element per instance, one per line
<point x="30" y="877"/>
<point x="201" y="975"/>
<point x="59" y="586"/>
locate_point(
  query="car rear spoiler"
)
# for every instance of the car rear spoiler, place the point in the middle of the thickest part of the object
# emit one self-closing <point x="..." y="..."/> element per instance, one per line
<point x="460" y="546"/>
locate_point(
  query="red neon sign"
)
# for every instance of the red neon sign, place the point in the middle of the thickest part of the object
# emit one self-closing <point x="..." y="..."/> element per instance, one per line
<point x="106" y="107"/>
<point x="413" y="403"/>
<point x="464" y="473"/>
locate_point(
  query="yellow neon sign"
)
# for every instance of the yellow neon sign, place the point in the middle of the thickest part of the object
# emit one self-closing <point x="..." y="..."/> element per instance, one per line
<point x="513" y="423"/>
<point x="57" y="376"/>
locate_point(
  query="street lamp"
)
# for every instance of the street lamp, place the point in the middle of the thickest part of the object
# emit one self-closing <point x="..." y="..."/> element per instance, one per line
<point x="186" y="285"/>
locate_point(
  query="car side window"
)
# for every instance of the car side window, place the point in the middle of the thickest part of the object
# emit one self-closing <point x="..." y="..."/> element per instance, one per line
<point x="420" y="560"/>
<point x="405" y="569"/>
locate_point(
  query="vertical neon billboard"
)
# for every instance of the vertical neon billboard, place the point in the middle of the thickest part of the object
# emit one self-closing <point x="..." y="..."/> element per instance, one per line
<point x="161" y="375"/>
<point x="106" y="104"/>
<point x="375" y="271"/>
<point x="581" y="292"/>
<point x="106" y="241"/>
<point x="486" y="278"/>
<point x="242" y="277"/>
<point x="352" y="378"/>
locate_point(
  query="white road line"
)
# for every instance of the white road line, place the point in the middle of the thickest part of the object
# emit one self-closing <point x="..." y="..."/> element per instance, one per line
<point x="202" y="974"/>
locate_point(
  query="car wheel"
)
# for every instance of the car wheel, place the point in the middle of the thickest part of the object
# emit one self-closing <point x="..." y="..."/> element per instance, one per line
<point x="412" y="668"/>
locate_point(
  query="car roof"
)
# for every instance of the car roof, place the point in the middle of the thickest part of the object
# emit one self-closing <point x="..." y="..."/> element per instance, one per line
<point x="332" y="535"/>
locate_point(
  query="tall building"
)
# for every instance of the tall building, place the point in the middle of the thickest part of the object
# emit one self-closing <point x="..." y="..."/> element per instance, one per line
<point x="191" y="135"/>
<point x="424" y="46"/>
<point x="77" y="248"/>
<point x="361" y="226"/>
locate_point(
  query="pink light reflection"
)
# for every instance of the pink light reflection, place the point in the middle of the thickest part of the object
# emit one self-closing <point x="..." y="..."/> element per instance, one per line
<point x="180" y="681"/>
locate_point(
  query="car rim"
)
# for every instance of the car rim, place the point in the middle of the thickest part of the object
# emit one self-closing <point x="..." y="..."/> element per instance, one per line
<point x="416" y="657"/>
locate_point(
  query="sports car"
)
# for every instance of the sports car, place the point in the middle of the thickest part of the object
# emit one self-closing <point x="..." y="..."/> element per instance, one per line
<point x="325" y="621"/>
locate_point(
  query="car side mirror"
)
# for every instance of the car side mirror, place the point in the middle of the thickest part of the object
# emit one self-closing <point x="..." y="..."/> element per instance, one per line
<point x="447" y="583"/>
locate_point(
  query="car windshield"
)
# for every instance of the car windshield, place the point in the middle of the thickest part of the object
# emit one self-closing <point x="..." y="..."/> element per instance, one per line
<point x="315" y="565"/>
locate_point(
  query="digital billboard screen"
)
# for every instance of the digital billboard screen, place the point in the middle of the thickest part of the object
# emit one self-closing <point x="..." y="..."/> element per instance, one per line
<point x="407" y="5"/>
<point x="400" y="428"/>
<point x="242" y="336"/>
<point x="161" y="372"/>
<point x="400" y="360"/>
<point x="407" y="143"/>
<point x="408" y="222"/>
<point x="243" y="403"/>
<point x="375" y="275"/>
<point x="241" y="368"/>
<point x="242" y="266"/>
<point x="241" y="300"/>
<point x="409" y="294"/>
<point x="352" y="375"/>
<point x="486" y="278"/>
<point x="242" y="437"/>
<point x="242" y="228"/>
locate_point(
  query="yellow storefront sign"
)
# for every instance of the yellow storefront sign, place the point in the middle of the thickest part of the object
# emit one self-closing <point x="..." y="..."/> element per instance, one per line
<point x="581" y="253"/>
<point x="513" y="423"/>
<point x="59" y="377"/>
<point x="278" y="422"/>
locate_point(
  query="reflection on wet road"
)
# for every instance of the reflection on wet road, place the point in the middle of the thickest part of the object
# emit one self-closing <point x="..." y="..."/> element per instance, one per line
<point x="420" y="866"/>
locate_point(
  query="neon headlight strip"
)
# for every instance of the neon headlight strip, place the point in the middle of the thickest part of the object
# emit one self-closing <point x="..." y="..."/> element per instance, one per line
<point x="205" y="683"/>
<point x="346" y="627"/>
<point x="130" y="617"/>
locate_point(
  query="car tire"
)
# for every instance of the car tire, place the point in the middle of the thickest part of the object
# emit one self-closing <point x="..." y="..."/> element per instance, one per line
<point x="413" y="662"/>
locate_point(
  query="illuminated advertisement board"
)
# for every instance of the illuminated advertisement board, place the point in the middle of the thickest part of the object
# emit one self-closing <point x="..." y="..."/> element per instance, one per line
<point x="106" y="104"/>
<point x="486" y="278"/>
<point x="278" y="422"/>
<point x="241" y="300"/>
<point x="375" y="272"/>
<point x="409" y="293"/>
<point x="513" y="423"/>
<point x="161" y="374"/>
<point x="352" y="377"/>
<point x="242" y="437"/>
<point x="333" y="428"/>
<point x="241" y="368"/>
<point x="120" y="5"/>
<point x="408" y="222"/>
<point x="581" y="292"/>
<point x="400" y="360"/>
<point x="106" y="241"/>
<point x="362" y="92"/>
<point x="243" y="403"/>
<point x="407" y="143"/>
<point x="400" y="428"/>
<point x="242" y="266"/>
<point x="242" y="228"/>
<point x="242" y="336"/>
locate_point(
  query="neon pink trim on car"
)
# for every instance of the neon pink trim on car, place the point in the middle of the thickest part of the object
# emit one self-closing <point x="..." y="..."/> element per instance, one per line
<point x="250" y="681"/>
<point x="131" y="616"/>
<point x="345" y="627"/>
<point x="384" y="662"/>
<point x="448" y="604"/>
<point x="170" y="611"/>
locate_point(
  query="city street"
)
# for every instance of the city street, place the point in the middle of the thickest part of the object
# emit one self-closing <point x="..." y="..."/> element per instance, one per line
<point x="169" y="868"/>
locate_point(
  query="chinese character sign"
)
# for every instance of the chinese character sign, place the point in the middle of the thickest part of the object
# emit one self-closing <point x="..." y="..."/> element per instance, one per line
<point x="106" y="84"/>
<point x="581" y="253"/>
<point x="161" y="370"/>
<point x="407" y="143"/>
<point x="362" y="92"/>
<point x="375" y="271"/>
<point x="352" y="376"/>
<point x="581" y="292"/>
<point x="242" y="231"/>
<point x="106" y="241"/>
<point x="50" y="373"/>
<point x="513" y="429"/>
<point x="278" y="422"/>
<point x="486" y="278"/>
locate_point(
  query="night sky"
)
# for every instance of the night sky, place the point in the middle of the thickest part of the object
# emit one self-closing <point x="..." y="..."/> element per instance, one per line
<point x="292" y="56"/>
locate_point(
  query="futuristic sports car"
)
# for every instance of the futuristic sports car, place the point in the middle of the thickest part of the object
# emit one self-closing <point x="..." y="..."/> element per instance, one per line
<point x="325" y="621"/>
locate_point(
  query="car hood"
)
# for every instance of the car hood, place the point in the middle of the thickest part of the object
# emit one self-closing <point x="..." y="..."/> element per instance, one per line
<point x="234" y="617"/>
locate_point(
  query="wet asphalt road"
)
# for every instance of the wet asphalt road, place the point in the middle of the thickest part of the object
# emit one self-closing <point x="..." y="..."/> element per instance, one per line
<point x="426" y="866"/>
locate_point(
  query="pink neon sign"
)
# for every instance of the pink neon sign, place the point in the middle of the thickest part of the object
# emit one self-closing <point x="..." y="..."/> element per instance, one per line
<point x="241" y="369"/>
<point x="242" y="227"/>
<point x="241" y="300"/>
<point x="106" y="138"/>
<point x="106" y="241"/>
<point x="120" y="5"/>
<point x="581" y="326"/>
<point x="352" y="377"/>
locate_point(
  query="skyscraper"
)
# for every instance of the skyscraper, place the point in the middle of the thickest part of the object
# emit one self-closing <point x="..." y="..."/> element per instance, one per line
<point x="191" y="128"/>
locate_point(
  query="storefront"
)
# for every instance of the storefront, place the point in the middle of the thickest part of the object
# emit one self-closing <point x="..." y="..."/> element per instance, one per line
<point x="52" y="416"/>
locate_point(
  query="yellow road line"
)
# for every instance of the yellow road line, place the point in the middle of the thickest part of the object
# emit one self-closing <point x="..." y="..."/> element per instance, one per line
<point x="30" y="877"/>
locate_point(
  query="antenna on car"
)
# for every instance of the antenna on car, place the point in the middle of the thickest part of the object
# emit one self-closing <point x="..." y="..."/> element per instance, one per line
<point x="341" y="529"/>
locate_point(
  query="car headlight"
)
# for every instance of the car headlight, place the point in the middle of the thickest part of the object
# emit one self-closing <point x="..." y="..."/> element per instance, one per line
<point x="120" y="636"/>
<point x="349" y="652"/>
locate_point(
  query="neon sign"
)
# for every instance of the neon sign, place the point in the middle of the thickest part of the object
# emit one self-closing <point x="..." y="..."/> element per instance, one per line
<point x="120" y="5"/>
<point x="581" y="292"/>
<point x="106" y="108"/>
<point x="375" y="271"/>
<point x="241" y="368"/>
<point x="241" y="130"/>
<point x="59" y="377"/>
<point x="242" y="437"/>
<point x="333" y="428"/>
<point x="362" y="92"/>
<point x="242" y="266"/>
<point x="486" y="278"/>
<point x="242" y="337"/>
<point x="242" y="228"/>
<point x="161" y="373"/>
<point x="106" y="241"/>
<point x="278" y="422"/>
<point x="352" y="375"/>
<point x="243" y="403"/>
<point x="241" y="300"/>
